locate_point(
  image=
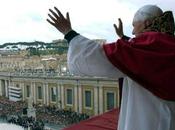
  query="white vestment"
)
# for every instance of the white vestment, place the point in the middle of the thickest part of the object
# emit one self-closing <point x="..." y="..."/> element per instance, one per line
<point x="140" y="109"/>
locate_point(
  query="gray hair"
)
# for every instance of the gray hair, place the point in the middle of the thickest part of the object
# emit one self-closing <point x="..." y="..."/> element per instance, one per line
<point x="147" y="12"/>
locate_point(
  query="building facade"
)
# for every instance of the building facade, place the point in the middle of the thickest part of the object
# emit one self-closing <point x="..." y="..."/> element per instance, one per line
<point x="47" y="80"/>
<point x="81" y="94"/>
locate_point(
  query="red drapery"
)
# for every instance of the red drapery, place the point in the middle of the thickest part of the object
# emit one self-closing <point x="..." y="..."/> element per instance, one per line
<point x="106" y="121"/>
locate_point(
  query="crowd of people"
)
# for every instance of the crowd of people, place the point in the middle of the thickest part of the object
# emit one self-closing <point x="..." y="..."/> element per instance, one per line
<point x="8" y="108"/>
<point x="59" y="116"/>
<point x="13" y="112"/>
<point x="27" y="122"/>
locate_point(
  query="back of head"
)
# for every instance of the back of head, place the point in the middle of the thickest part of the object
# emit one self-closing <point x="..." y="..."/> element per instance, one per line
<point x="147" y="12"/>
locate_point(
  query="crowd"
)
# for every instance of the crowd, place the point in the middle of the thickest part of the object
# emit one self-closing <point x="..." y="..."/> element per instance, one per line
<point x="8" y="108"/>
<point x="59" y="116"/>
<point x="44" y="114"/>
<point x="27" y="122"/>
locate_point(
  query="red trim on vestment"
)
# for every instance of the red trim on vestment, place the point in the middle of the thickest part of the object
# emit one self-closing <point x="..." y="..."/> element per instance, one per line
<point x="148" y="59"/>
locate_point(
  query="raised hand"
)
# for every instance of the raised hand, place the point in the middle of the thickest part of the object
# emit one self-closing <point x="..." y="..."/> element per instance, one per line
<point x="61" y="23"/>
<point x="119" y="29"/>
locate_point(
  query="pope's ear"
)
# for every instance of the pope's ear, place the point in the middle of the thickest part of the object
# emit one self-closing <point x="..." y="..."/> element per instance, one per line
<point x="147" y="22"/>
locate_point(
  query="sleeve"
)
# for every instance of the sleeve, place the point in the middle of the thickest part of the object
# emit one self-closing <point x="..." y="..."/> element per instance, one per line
<point x="87" y="58"/>
<point x="124" y="37"/>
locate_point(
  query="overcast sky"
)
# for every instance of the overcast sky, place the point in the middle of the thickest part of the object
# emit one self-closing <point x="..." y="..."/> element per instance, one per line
<point x="25" y="20"/>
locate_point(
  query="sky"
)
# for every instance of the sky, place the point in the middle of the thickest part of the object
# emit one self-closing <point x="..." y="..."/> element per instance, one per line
<point x="25" y="20"/>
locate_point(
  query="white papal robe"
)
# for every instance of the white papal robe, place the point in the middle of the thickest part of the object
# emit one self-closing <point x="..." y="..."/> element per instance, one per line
<point x="140" y="109"/>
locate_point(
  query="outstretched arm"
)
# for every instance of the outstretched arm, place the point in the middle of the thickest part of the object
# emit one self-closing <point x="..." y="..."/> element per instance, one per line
<point x="85" y="57"/>
<point x="61" y="23"/>
<point x="119" y="30"/>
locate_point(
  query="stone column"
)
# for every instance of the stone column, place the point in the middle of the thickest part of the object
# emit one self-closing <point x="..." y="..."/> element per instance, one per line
<point x="58" y="95"/>
<point x="31" y="89"/>
<point x="47" y="93"/>
<point x="44" y="94"/>
<point x="22" y="91"/>
<point x="11" y="84"/>
<point x="34" y="92"/>
<point x="0" y="87"/>
<point x="100" y="99"/>
<point x="6" y="89"/>
<point x="62" y="96"/>
<point x="76" y="97"/>
<point x="80" y="98"/>
<point x="96" y="100"/>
